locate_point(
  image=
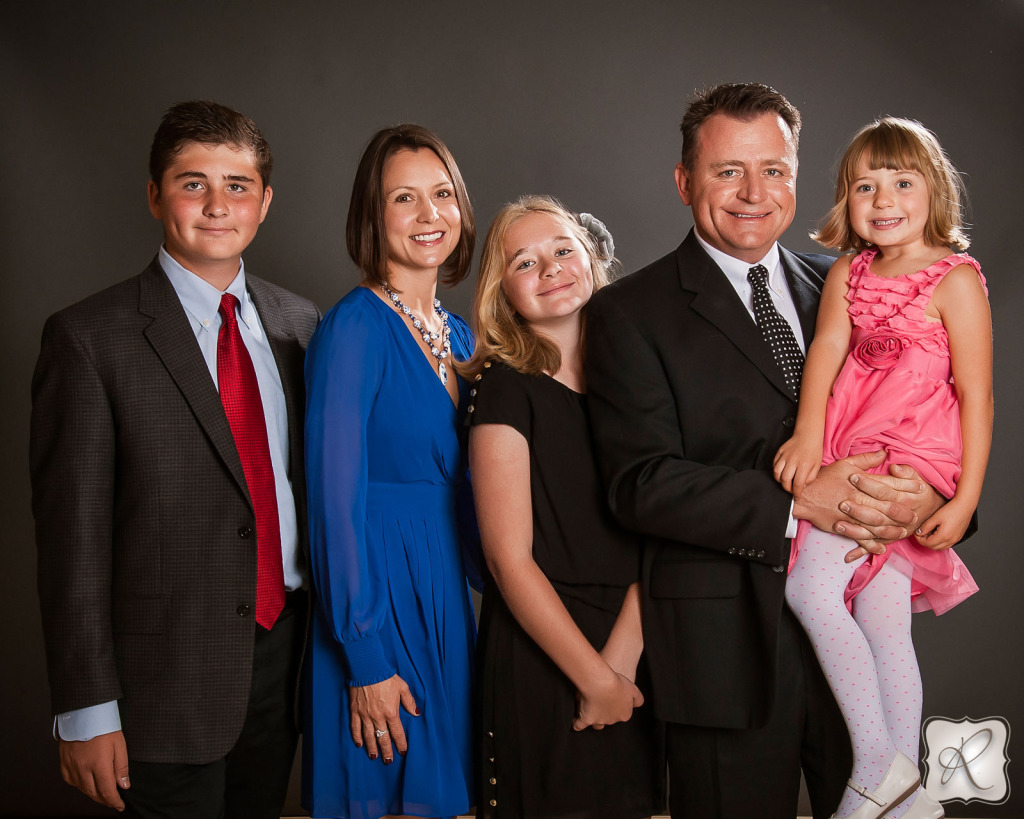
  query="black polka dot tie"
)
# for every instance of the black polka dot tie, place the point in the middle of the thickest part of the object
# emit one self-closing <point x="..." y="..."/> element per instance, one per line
<point x="776" y="330"/>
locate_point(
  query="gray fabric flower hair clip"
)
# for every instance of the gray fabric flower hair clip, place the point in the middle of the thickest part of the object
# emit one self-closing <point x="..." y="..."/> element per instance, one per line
<point x="602" y="236"/>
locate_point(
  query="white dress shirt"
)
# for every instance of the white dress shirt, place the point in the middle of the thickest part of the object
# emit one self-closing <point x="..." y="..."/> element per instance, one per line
<point x="735" y="271"/>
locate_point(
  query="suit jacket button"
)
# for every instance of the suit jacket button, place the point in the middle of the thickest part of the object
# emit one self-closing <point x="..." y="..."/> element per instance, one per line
<point x="788" y="421"/>
<point x="742" y="553"/>
<point x="245" y="531"/>
<point x="732" y="551"/>
<point x="761" y="553"/>
<point x="778" y="568"/>
<point x="242" y="610"/>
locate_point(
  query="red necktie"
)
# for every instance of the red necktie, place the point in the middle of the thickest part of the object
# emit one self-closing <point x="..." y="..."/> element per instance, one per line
<point x="240" y="395"/>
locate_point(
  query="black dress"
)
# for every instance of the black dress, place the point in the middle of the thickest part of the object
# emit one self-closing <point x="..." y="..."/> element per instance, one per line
<point x="533" y="763"/>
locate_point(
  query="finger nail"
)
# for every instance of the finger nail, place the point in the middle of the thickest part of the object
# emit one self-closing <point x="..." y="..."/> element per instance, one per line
<point x="855" y="479"/>
<point x="845" y="507"/>
<point x="124" y="782"/>
<point x="918" y="532"/>
<point x="388" y="760"/>
<point x="840" y="528"/>
<point x="416" y="712"/>
<point x="373" y="756"/>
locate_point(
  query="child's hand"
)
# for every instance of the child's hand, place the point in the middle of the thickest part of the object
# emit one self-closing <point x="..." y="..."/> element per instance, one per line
<point x="797" y="463"/>
<point x="945" y="527"/>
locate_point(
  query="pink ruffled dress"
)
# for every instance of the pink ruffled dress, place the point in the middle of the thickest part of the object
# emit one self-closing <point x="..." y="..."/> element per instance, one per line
<point x="895" y="393"/>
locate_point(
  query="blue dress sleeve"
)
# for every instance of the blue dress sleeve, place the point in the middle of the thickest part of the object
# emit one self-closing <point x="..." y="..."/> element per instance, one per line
<point x="344" y="369"/>
<point x="470" y="547"/>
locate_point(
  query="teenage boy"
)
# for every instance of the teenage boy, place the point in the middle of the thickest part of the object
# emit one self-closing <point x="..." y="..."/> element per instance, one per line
<point x="168" y="493"/>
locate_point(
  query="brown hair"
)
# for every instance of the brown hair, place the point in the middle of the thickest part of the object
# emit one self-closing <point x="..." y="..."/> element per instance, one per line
<point x="209" y="123"/>
<point x="740" y="100"/>
<point x="501" y="333"/>
<point x="899" y="145"/>
<point x="365" y="234"/>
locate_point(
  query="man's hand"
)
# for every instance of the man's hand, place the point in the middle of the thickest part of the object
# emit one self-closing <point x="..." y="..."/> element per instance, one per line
<point x="902" y="489"/>
<point x="870" y="509"/>
<point x="97" y="767"/>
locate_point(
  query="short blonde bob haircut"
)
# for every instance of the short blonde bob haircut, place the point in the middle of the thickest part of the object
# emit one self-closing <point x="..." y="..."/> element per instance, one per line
<point x="899" y="145"/>
<point x="501" y="333"/>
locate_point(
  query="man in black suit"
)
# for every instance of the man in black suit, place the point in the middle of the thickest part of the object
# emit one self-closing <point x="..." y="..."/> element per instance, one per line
<point x="689" y="407"/>
<point x="168" y="491"/>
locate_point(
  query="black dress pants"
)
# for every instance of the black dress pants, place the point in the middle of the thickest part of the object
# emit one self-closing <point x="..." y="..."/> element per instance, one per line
<point x="738" y="774"/>
<point x="251" y="782"/>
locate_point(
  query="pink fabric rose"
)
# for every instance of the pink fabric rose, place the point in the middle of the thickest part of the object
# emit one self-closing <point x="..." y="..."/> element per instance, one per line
<point x="879" y="351"/>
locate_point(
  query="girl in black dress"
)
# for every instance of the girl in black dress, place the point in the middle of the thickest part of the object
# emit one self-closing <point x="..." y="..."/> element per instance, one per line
<point x="560" y="639"/>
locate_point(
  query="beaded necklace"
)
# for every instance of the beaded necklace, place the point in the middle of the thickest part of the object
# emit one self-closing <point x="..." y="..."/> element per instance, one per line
<point x="428" y="337"/>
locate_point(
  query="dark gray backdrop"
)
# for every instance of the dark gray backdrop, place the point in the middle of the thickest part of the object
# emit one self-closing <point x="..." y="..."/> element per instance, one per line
<point x="577" y="100"/>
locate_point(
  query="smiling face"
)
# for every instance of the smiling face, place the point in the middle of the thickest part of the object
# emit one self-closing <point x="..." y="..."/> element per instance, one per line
<point x="888" y="208"/>
<point x="211" y="201"/>
<point x="547" y="275"/>
<point x="421" y="214"/>
<point x="742" y="186"/>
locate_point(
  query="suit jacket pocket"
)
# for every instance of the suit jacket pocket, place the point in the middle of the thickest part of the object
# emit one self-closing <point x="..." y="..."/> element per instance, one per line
<point x="141" y="615"/>
<point x="696" y="578"/>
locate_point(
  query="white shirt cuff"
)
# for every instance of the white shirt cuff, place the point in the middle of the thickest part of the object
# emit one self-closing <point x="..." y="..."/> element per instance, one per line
<point x="791" y="526"/>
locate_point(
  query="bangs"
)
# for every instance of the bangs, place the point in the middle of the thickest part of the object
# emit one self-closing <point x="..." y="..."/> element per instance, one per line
<point x="895" y="146"/>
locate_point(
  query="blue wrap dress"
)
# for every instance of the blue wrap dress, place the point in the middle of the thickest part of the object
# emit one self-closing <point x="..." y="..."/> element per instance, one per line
<point x="385" y="474"/>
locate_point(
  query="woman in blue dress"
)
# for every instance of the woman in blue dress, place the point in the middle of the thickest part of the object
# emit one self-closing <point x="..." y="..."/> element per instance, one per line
<point x="388" y="710"/>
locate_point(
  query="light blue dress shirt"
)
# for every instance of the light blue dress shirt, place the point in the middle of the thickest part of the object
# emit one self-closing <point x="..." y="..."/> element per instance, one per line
<point x="201" y="301"/>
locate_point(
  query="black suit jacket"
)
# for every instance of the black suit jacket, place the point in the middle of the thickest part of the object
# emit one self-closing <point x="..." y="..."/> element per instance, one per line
<point x="688" y="409"/>
<point x="144" y="527"/>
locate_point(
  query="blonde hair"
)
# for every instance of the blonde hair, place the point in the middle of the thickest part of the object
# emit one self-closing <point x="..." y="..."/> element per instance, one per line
<point x="501" y="333"/>
<point x="900" y="145"/>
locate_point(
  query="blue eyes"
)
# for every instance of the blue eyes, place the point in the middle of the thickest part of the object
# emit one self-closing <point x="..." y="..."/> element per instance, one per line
<point x="561" y="253"/>
<point x="733" y="173"/>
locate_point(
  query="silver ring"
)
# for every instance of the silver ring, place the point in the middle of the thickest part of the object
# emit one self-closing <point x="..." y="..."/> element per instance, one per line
<point x="380" y="732"/>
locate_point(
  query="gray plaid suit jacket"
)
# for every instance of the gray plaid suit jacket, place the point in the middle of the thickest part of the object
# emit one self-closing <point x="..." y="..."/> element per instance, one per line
<point x="144" y="526"/>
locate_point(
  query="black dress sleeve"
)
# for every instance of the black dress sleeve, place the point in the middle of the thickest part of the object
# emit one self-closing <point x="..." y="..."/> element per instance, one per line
<point x="501" y="396"/>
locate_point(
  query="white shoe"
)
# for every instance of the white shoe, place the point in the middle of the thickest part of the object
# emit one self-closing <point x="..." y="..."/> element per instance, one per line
<point x="899" y="782"/>
<point x="924" y="807"/>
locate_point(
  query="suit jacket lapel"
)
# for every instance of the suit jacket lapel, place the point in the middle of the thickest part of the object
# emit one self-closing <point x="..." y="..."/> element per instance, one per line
<point x="716" y="300"/>
<point x="174" y="342"/>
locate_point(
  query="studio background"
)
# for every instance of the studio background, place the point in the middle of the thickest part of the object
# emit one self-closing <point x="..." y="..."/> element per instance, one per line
<point x="579" y="100"/>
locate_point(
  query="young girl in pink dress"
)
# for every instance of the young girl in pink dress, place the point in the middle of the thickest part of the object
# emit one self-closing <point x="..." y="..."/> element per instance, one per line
<point x="901" y="361"/>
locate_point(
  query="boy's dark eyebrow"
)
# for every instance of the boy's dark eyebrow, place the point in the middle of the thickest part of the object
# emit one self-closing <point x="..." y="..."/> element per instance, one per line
<point x="201" y="175"/>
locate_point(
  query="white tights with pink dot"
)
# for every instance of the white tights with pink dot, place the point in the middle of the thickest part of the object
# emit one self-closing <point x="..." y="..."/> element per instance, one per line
<point x="868" y="657"/>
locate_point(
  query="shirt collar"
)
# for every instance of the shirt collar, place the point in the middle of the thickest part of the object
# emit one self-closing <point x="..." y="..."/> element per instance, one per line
<point x="736" y="269"/>
<point x="201" y="299"/>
